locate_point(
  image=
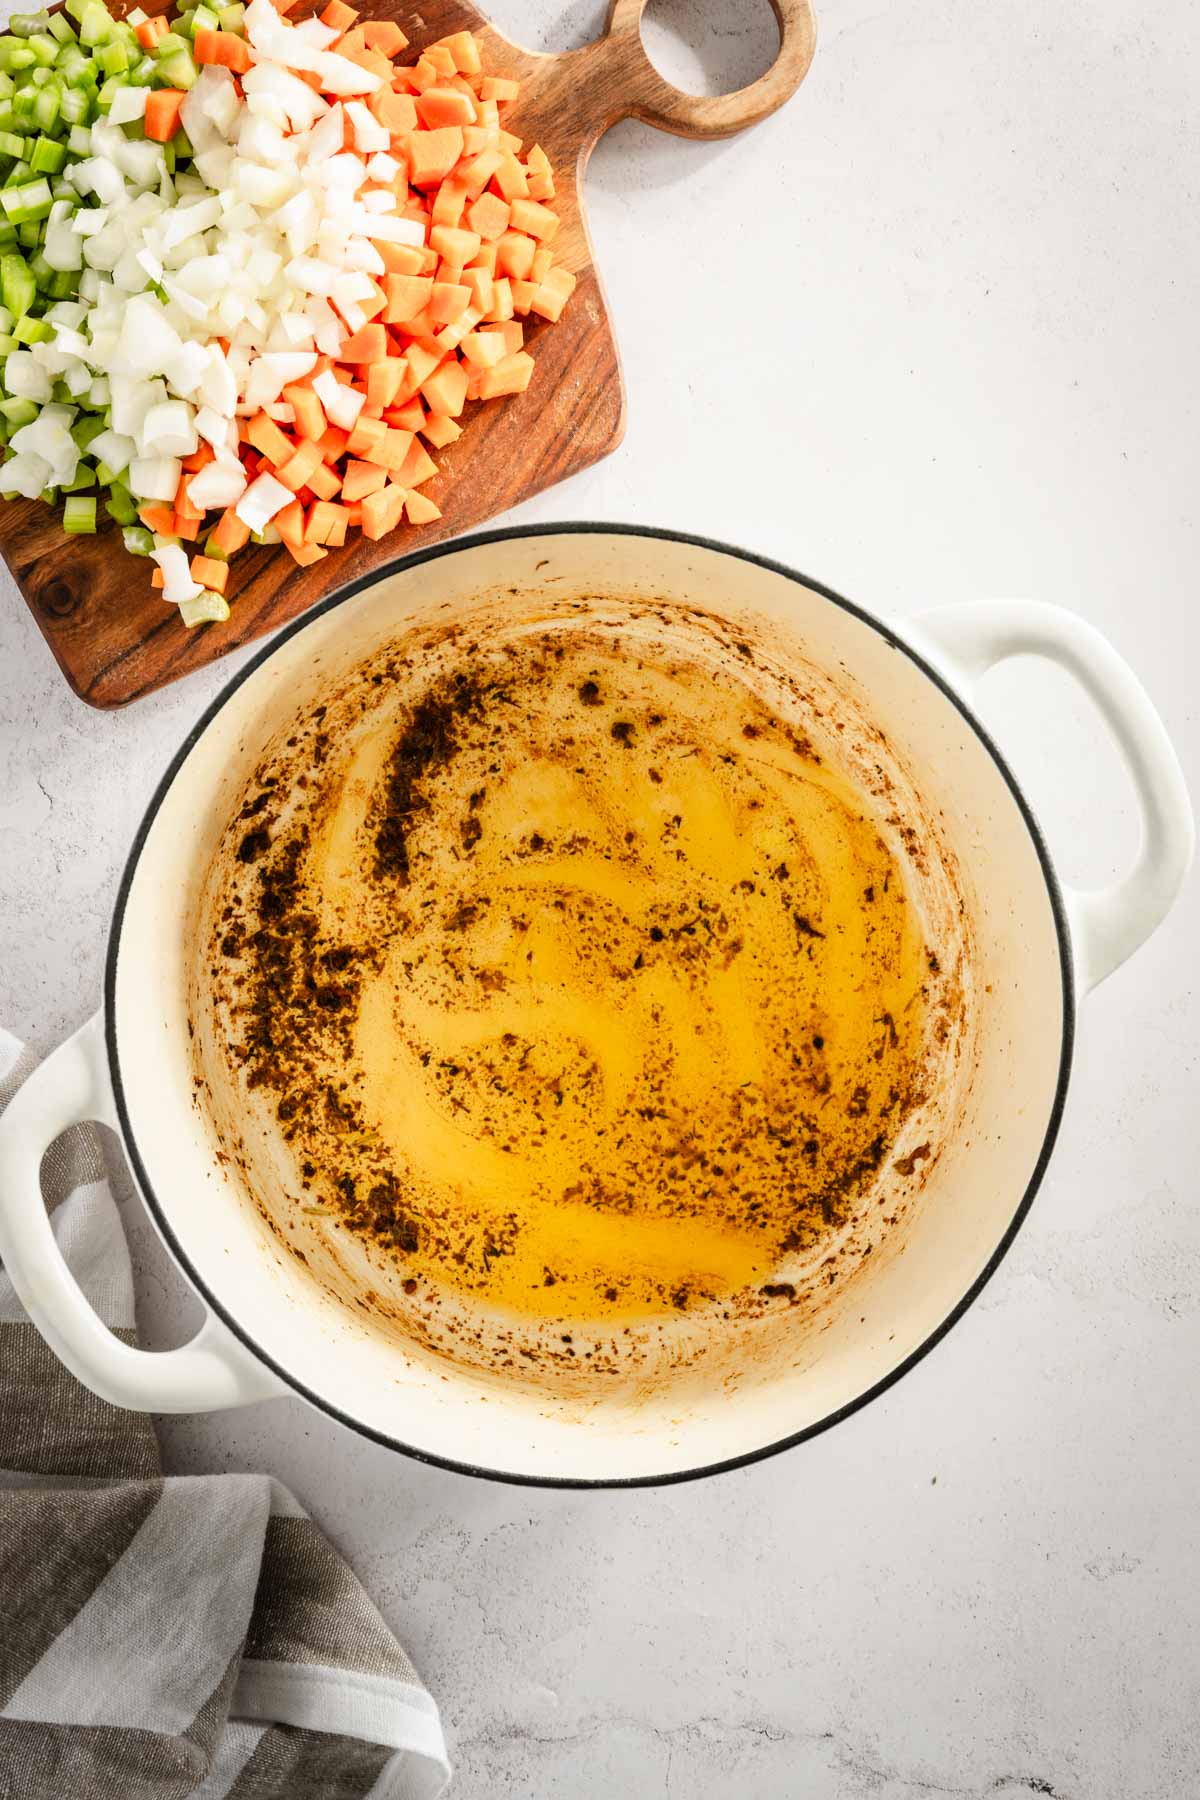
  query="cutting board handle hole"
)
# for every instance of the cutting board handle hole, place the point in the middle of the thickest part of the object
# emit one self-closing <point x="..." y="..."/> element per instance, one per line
<point x="709" y="47"/>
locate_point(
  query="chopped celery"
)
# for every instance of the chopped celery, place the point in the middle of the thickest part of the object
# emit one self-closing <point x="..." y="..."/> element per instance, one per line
<point x="40" y="269"/>
<point x="206" y="608"/>
<point x="59" y="26"/>
<point x="6" y="319"/>
<point x="84" y="477"/>
<point x="79" y="141"/>
<point x="87" y="428"/>
<point x="8" y="343"/>
<point x="120" y="506"/>
<point x="137" y="540"/>
<point x="25" y="24"/>
<point x="11" y="144"/>
<point x="31" y="201"/>
<point x="95" y="26"/>
<point x="17" y="286"/>
<point x="47" y="106"/>
<point x="74" y="108"/>
<point x="79" y="513"/>
<point x="233" y="18"/>
<point x="203" y="19"/>
<point x="113" y="58"/>
<point x="19" y="412"/>
<point x="32" y="331"/>
<point x="178" y="69"/>
<point x="15" y="55"/>
<point x="47" y="157"/>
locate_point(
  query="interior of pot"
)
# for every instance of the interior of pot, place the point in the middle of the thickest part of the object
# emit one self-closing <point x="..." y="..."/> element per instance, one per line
<point x="694" y="1391"/>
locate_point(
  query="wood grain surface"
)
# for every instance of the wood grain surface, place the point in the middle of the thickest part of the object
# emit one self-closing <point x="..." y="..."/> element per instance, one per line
<point x="114" y="638"/>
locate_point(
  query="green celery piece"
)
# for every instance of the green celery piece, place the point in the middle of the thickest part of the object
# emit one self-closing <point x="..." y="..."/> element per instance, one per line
<point x="178" y="70"/>
<point x="11" y="144"/>
<point x="29" y="235"/>
<point x="46" y="108"/>
<point x="113" y="58"/>
<point x="64" y="284"/>
<point x="62" y="189"/>
<point x="8" y="86"/>
<point x="59" y="26"/>
<point x="30" y="201"/>
<point x="8" y="342"/>
<point x="168" y="45"/>
<point x="33" y="331"/>
<point x="75" y="108"/>
<point x="215" y="551"/>
<point x="18" y="174"/>
<point x="40" y="269"/>
<point x="120" y="506"/>
<point x="143" y="71"/>
<point x="79" y="513"/>
<point x="23" y="101"/>
<point x="96" y="26"/>
<point x="181" y="144"/>
<point x="85" y="477"/>
<point x="18" y="289"/>
<point x="47" y="157"/>
<point x="138" y="541"/>
<point x="25" y="24"/>
<point x="39" y="78"/>
<point x="233" y="18"/>
<point x="50" y="496"/>
<point x="6" y="319"/>
<point x="15" y="54"/>
<point x="207" y="608"/>
<point x="104" y="475"/>
<point x="79" y="141"/>
<point x="204" y="19"/>
<point x="19" y="412"/>
<point x="89" y="426"/>
<point x="45" y="49"/>
<point x="77" y="8"/>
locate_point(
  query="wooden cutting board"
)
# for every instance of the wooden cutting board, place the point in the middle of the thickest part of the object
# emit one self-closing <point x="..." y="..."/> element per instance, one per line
<point x="114" y="638"/>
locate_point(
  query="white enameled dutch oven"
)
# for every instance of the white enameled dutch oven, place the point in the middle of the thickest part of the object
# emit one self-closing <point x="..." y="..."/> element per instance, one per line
<point x="270" y="1331"/>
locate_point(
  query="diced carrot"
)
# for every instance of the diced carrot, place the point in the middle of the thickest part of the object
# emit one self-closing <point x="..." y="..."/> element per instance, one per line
<point x="478" y="171"/>
<point x="354" y="515"/>
<point x="364" y="346"/>
<point x="409" y="417"/>
<point x="266" y="437"/>
<point x="543" y="262"/>
<point x="463" y="49"/>
<point x="162" y="113"/>
<point x="484" y="349"/>
<point x="199" y="459"/>
<point x="157" y="578"/>
<point x="324" y="482"/>
<point x="420" y="508"/>
<point x="184" y="508"/>
<point x="514" y="334"/>
<point x="310" y="414"/>
<point x="439" y="106"/>
<point x="150" y="31"/>
<point x="440" y="431"/>
<point x="407" y="295"/>
<point x="478" y="138"/>
<point x="449" y="204"/>
<point x="509" y="180"/>
<point x="512" y="376"/>
<point x="186" y="526"/>
<point x="304" y="554"/>
<point x="296" y="471"/>
<point x="361" y="479"/>
<point x="446" y="389"/>
<point x="441" y="58"/>
<point x="484" y="259"/>
<point x="229" y="535"/>
<point x="421" y="363"/>
<point x="392" y="448"/>
<point x="449" y="302"/>
<point x="322" y="521"/>
<point x="338" y="16"/>
<point x="535" y="219"/>
<point x="397" y="113"/>
<point x="417" y="467"/>
<point x="451" y="336"/>
<point x="502" y="301"/>
<point x="401" y="259"/>
<point x="539" y="174"/>
<point x="482" y="289"/>
<point x="489" y="216"/>
<point x="515" y="252"/>
<point x="555" y="290"/>
<point x="290" y="522"/>
<point x="209" y="572"/>
<point x="366" y="434"/>
<point x="382" y="511"/>
<point x="455" y="245"/>
<point x="423" y="326"/>
<point x="523" y="292"/>
<point x="333" y="444"/>
<point x="223" y="48"/>
<point x="499" y="87"/>
<point x="384" y="380"/>
<point x="384" y="35"/>
<point x="432" y="154"/>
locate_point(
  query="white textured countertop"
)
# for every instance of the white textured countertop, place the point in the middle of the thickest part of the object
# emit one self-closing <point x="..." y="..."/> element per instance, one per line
<point x="928" y="334"/>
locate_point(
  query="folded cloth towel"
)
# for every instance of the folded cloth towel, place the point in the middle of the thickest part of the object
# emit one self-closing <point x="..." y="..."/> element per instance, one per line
<point x="180" y="1635"/>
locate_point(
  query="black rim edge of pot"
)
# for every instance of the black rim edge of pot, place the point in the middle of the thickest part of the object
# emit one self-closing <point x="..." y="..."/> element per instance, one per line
<point x="587" y="528"/>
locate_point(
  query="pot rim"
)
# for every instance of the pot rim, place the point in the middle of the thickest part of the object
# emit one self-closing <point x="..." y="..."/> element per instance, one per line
<point x="586" y="528"/>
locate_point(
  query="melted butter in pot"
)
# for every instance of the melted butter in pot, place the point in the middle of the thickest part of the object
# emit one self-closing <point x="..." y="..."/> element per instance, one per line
<point x="582" y="984"/>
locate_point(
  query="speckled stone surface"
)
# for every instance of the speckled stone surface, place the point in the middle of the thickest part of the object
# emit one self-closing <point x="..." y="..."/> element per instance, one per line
<point x="928" y="334"/>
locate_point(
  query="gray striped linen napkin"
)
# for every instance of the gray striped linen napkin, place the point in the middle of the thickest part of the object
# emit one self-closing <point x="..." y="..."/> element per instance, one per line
<point x="179" y="1635"/>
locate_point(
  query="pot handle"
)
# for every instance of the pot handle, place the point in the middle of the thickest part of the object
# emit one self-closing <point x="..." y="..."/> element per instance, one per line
<point x="207" y="1375"/>
<point x="1107" y="924"/>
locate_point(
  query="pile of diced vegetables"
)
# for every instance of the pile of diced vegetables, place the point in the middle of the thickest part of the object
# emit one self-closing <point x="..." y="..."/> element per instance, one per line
<point x="251" y="273"/>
